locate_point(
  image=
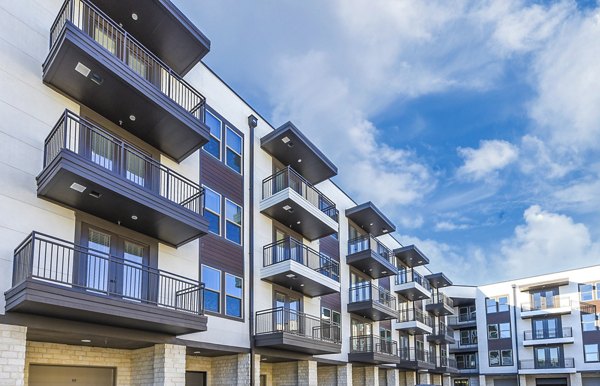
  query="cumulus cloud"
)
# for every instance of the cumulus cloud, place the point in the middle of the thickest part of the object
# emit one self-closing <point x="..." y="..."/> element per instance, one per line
<point x="490" y="157"/>
<point x="449" y="226"/>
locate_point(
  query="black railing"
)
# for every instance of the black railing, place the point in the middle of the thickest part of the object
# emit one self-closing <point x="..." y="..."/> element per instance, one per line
<point x="289" y="178"/>
<point x="462" y="318"/>
<point x="440" y="298"/>
<point x="80" y="268"/>
<point x="373" y="344"/>
<point x="409" y="276"/>
<point x="290" y="249"/>
<point x="546" y="304"/>
<point x="448" y="362"/>
<point x="557" y="363"/>
<point x="549" y="333"/>
<point x="369" y="242"/>
<point x="83" y="138"/>
<point x="414" y="315"/>
<point x="416" y="355"/>
<point x="298" y="323"/>
<point x="441" y="329"/>
<point x="92" y="21"/>
<point x="367" y="291"/>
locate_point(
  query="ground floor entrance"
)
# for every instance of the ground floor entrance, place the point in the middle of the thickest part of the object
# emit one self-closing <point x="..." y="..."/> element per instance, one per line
<point x="43" y="375"/>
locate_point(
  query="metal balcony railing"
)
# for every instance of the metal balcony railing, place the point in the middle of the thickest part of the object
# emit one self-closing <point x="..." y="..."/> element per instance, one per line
<point x="290" y="249"/>
<point x="557" y="363"/>
<point x="546" y="303"/>
<point x="289" y="178"/>
<point x="96" y="24"/>
<point x="369" y="242"/>
<point x="462" y="318"/>
<point x="440" y="298"/>
<point x="448" y="362"/>
<point x="367" y="291"/>
<point x="416" y="355"/>
<point x="414" y="315"/>
<point x="550" y="333"/>
<point x="88" y="141"/>
<point x="281" y="319"/>
<point x="52" y="260"/>
<point x="373" y="344"/>
<point x="441" y="329"/>
<point x="410" y="275"/>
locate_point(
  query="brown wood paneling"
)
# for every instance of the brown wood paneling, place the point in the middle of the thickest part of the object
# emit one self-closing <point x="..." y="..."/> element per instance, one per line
<point x="590" y="337"/>
<point x="333" y="302"/>
<point x="220" y="178"/>
<point x="330" y="246"/>
<point x="498" y="317"/>
<point x="222" y="254"/>
<point x="387" y="324"/>
<point x="500" y="344"/>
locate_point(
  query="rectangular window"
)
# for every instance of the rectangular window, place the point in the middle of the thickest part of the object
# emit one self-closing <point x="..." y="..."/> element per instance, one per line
<point x="212" y="210"/>
<point x="211" y="278"/>
<point x="213" y="146"/>
<point x="588" y="321"/>
<point x="496" y="304"/>
<point x="494" y="356"/>
<point x="233" y="224"/>
<point x="504" y="330"/>
<point x="233" y="151"/>
<point x="591" y="353"/>
<point x="502" y="303"/>
<point x="493" y="331"/>
<point x="586" y="292"/>
<point x="507" y="359"/>
<point x="490" y="305"/>
<point x="234" y="287"/>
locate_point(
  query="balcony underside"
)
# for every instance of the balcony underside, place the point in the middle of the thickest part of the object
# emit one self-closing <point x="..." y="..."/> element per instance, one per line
<point x="463" y="349"/>
<point x="303" y="217"/>
<point x="416" y="365"/>
<point x="373" y="358"/>
<point x="444" y="370"/>
<point x="43" y="298"/>
<point x="413" y="327"/>
<point x="372" y="310"/>
<point x="458" y="325"/>
<point x="157" y="216"/>
<point x="412" y="291"/>
<point x="546" y="312"/>
<point x="159" y="120"/>
<point x="297" y="343"/>
<point x="548" y="341"/>
<point x="440" y="339"/>
<point x="372" y="264"/>
<point x="293" y="275"/>
<point x="162" y="28"/>
<point x="439" y="309"/>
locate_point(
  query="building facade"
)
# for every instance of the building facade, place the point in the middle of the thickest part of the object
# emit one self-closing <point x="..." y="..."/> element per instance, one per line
<point x="156" y="230"/>
<point x="541" y="330"/>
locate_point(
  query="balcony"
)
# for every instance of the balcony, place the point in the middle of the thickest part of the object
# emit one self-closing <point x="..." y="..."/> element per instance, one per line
<point x="548" y="336"/>
<point x="412" y="285"/>
<point x="368" y="255"/>
<point x="373" y="302"/>
<point x="373" y="349"/>
<point x="294" y="265"/>
<point x="291" y="330"/>
<point x="414" y="321"/>
<point x="441" y="334"/>
<point x="554" y="305"/>
<point x="462" y="321"/>
<point x="463" y="346"/>
<point x="447" y="365"/>
<point x="161" y="27"/>
<point x="288" y="198"/>
<point x="440" y="305"/>
<point x="552" y="366"/>
<point x="56" y="278"/>
<point x="98" y="64"/>
<point x="411" y="256"/>
<point x="416" y="359"/>
<point x="89" y="169"/>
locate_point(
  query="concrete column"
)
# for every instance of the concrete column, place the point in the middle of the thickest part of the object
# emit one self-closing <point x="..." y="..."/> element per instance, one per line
<point x="393" y="377"/>
<point x="344" y="375"/>
<point x="424" y="378"/>
<point x="372" y="376"/>
<point x="169" y="365"/>
<point x="411" y="378"/>
<point x="575" y="379"/>
<point x="243" y="370"/>
<point x="482" y="380"/>
<point x="13" y="343"/>
<point x="256" y="361"/>
<point x="307" y="373"/>
<point x="446" y="381"/>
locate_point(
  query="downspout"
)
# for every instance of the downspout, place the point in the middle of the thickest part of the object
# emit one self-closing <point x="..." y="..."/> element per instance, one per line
<point x="514" y="288"/>
<point x="252" y="123"/>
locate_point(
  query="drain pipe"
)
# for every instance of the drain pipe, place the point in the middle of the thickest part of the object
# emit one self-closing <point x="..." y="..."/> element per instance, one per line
<point x="252" y="123"/>
<point x="514" y="288"/>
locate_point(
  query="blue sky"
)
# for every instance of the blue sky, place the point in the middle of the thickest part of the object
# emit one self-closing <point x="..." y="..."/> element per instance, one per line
<point x="474" y="124"/>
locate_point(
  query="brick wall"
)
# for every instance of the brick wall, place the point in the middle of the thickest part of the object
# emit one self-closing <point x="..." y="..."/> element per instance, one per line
<point x="12" y="355"/>
<point x="285" y="374"/>
<point x="358" y="375"/>
<point x="327" y="375"/>
<point x="142" y="366"/>
<point x="169" y="365"/>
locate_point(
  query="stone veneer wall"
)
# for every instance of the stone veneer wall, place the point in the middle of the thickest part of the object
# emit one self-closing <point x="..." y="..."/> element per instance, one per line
<point x="327" y="375"/>
<point x="12" y="355"/>
<point x="285" y="374"/>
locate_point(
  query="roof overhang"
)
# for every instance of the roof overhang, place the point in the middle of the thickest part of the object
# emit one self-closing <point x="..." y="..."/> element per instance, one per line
<point x="411" y="256"/>
<point x="540" y="285"/>
<point x="369" y="217"/>
<point x="438" y="280"/>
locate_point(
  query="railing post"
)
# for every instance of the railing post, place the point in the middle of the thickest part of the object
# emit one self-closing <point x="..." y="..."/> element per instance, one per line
<point x="29" y="267"/>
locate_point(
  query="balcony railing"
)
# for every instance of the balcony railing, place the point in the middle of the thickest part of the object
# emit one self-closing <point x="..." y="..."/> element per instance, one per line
<point x="532" y="364"/>
<point x="373" y="344"/>
<point x="60" y="262"/>
<point x="448" y="362"/>
<point x="440" y="298"/>
<point x="550" y="333"/>
<point x="81" y="137"/>
<point x="414" y="315"/>
<point x="298" y="323"/>
<point x="546" y="304"/>
<point x="290" y="249"/>
<point x="367" y="291"/>
<point x="93" y="22"/>
<point x="462" y="318"/>
<point x="410" y="275"/>
<point x="441" y="329"/>
<point x="416" y="355"/>
<point x="289" y="178"/>
<point x="368" y="242"/>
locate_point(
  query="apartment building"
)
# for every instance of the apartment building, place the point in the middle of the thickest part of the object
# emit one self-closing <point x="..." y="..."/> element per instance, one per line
<point x="156" y="230"/>
<point x="541" y="330"/>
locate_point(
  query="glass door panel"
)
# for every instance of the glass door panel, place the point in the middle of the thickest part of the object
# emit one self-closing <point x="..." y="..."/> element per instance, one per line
<point x="131" y="285"/>
<point x="99" y="244"/>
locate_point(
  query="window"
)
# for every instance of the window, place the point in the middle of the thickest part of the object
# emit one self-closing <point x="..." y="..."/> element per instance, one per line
<point x="233" y="225"/>
<point x="466" y="313"/>
<point x="494" y="356"/>
<point x="493" y="331"/>
<point x="499" y="331"/>
<point x="466" y="361"/>
<point x="233" y="295"/>
<point x="213" y="146"/>
<point x="330" y="331"/>
<point x="502" y="303"/>
<point x="212" y="212"/>
<point x="586" y="292"/>
<point x="506" y="356"/>
<point x="588" y="321"/>
<point x="212" y="288"/>
<point x="490" y="305"/>
<point x="501" y="358"/>
<point x="504" y="330"/>
<point x="591" y="353"/>
<point x="233" y="151"/>
<point x="496" y="304"/>
<point x="468" y="337"/>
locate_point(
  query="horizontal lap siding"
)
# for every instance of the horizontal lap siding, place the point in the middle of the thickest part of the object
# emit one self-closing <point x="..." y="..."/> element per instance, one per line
<point x="331" y="247"/>
<point x="220" y="178"/>
<point x="222" y="254"/>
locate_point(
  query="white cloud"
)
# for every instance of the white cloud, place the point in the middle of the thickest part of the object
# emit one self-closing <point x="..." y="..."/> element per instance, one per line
<point x="449" y="226"/>
<point x="490" y="157"/>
